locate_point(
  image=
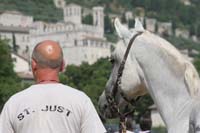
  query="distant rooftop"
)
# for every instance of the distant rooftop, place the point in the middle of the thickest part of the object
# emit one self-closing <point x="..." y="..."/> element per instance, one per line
<point x="14" y="29"/>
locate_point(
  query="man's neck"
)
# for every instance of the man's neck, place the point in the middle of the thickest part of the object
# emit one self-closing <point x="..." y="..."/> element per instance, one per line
<point x="46" y="76"/>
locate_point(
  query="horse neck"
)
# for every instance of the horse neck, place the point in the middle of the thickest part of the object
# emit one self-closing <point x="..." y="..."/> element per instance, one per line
<point x="166" y="88"/>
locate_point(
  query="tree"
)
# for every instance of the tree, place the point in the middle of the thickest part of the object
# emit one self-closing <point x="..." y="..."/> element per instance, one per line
<point x="88" y="19"/>
<point x="89" y="78"/>
<point x="108" y="26"/>
<point x="131" y="23"/>
<point x="15" y="46"/>
<point x="9" y="82"/>
<point x="197" y="65"/>
<point x="123" y="18"/>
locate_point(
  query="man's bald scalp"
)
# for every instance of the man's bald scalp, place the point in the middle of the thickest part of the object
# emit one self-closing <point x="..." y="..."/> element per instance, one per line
<point x="48" y="54"/>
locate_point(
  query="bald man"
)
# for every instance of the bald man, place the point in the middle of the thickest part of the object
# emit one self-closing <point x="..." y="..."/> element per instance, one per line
<point x="49" y="106"/>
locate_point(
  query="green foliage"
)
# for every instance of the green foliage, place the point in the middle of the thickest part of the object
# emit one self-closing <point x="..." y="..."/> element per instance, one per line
<point x="40" y="9"/>
<point x="131" y="23"/>
<point x="162" y="10"/>
<point x="111" y="37"/>
<point x="142" y="106"/>
<point x="197" y="65"/>
<point x="89" y="78"/>
<point x="6" y="67"/>
<point x="173" y="10"/>
<point x="9" y="82"/>
<point x="88" y="19"/>
<point x="108" y="26"/>
<point x="159" y="130"/>
<point x="109" y="29"/>
<point x="123" y="18"/>
<point x="182" y="43"/>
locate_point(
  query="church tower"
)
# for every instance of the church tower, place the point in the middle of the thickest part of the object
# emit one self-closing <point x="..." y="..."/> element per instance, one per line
<point x="98" y="19"/>
<point x="72" y="13"/>
<point x="98" y="16"/>
<point x="59" y="3"/>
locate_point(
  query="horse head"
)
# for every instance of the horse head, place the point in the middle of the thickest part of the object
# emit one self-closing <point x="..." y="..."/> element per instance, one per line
<point x="131" y="81"/>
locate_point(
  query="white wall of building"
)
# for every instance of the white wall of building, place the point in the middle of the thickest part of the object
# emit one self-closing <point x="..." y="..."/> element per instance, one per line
<point x="72" y="13"/>
<point x="70" y="34"/>
<point x="90" y="54"/>
<point x="22" y="40"/>
<point x="151" y="24"/>
<point x="20" y="64"/>
<point x="14" y="18"/>
<point x="98" y="19"/>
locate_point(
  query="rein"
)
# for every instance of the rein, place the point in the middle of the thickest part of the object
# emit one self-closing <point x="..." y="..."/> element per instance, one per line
<point x="111" y="97"/>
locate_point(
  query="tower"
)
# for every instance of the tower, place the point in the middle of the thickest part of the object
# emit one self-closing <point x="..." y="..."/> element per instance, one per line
<point x="72" y="13"/>
<point x="98" y="16"/>
<point x="59" y="3"/>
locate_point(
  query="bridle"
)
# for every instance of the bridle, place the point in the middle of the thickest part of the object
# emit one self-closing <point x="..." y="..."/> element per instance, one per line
<point x="110" y="97"/>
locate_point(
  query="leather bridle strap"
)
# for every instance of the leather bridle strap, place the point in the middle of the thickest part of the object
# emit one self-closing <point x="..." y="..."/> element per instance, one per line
<point x="121" y="68"/>
<point x="111" y="97"/>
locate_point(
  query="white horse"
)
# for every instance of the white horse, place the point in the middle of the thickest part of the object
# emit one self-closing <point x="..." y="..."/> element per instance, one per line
<point x="155" y="66"/>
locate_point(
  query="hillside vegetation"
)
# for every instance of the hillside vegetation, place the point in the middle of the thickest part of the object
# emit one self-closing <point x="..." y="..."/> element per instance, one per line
<point x="181" y="15"/>
<point x="40" y="9"/>
<point x="164" y="10"/>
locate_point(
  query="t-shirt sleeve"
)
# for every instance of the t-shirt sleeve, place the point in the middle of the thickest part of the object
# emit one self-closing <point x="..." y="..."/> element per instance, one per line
<point x="5" y="123"/>
<point x="91" y="122"/>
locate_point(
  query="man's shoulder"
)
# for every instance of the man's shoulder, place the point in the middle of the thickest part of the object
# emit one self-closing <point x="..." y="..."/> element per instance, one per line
<point x="17" y="95"/>
<point x="70" y="90"/>
<point x="60" y="90"/>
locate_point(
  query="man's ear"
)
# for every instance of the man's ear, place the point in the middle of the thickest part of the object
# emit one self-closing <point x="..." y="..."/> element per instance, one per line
<point x="62" y="68"/>
<point x="33" y="65"/>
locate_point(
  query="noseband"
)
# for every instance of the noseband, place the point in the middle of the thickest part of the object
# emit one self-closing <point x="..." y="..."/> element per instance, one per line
<point x="110" y="97"/>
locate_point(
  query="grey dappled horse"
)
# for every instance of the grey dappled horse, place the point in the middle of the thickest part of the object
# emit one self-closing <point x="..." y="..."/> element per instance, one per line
<point x="155" y="66"/>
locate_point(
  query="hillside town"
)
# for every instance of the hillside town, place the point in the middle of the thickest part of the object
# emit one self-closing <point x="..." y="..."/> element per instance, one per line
<point x="80" y="42"/>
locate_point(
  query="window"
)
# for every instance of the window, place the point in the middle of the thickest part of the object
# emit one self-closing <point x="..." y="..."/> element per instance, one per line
<point x="75" y="43"/>
<point x="102" y="45"/>
<point x="23" y="38"/>
<point x="85" y="43"/>
<point x="70" y="12"/>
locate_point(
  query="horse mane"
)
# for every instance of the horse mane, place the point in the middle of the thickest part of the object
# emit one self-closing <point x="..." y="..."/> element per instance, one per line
<point x="192" y="80"/>
<point x="191" y="77"/>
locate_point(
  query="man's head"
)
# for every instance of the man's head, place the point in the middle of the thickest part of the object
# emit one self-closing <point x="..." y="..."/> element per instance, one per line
<point x="47" y="55"/>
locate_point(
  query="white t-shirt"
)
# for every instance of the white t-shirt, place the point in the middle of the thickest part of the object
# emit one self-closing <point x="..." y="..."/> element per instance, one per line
<point x="50" y="108"/>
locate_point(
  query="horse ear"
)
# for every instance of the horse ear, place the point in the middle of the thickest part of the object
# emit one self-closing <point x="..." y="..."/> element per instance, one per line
<point x="122" y="31"/>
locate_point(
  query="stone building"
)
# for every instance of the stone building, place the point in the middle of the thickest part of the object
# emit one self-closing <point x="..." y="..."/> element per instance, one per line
<point x="164" y="28"/>
<point x="151" y="24"/>
<point x="80" y="42"/>
<point x="182" y="33"/>
<point x="15" y="27"/>
<point x="186" y="2"/>
<point x="15" y="19"/>
<point x="128" y="15"/>
<point x="59" y="3"/>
